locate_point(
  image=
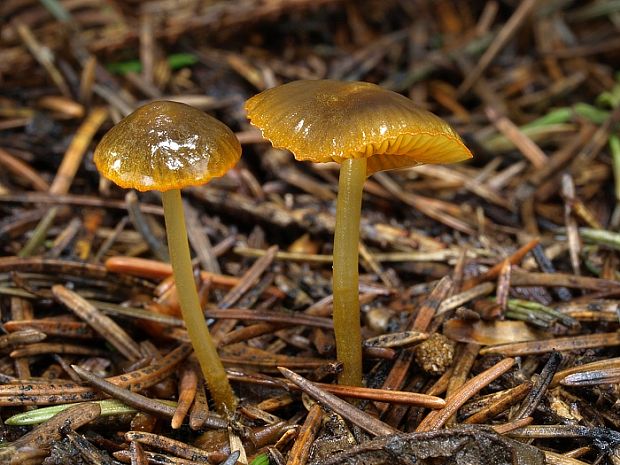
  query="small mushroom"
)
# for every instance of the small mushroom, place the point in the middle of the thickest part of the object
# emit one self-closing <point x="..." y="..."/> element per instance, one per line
<point x="366" y="129"/>
<point x="166" y="146"/>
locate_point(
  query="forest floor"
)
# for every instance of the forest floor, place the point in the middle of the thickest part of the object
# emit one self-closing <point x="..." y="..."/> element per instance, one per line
<point x="489" y="289"/>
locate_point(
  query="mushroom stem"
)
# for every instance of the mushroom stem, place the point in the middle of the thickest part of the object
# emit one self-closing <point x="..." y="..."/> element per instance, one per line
<point x="197" y="329"/>
<point x="346" y="280"/>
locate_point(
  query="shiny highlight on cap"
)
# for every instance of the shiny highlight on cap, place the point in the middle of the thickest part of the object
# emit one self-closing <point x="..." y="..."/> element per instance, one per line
<point x="166" y="145"/>
<point x="327" y="120"/>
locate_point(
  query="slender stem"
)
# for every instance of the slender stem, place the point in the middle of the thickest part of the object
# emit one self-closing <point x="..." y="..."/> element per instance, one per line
<point x="346" y="279"/>
<point x="199" y="335"/>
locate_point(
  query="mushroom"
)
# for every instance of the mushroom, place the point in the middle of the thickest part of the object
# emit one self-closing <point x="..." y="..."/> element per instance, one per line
<point x="366" y="129"/>
<point x="166" y="146"/>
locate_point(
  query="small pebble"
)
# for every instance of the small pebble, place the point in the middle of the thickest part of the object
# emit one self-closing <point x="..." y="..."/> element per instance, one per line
<point x="435" y="354"/>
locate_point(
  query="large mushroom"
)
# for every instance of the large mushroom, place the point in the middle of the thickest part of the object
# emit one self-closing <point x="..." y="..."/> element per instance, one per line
<point x="166" y="146"/>
<point x="366" y="129"/>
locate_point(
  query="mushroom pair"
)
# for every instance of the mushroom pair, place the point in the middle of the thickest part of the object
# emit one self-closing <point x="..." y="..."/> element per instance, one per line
<point x="166" y="146"/>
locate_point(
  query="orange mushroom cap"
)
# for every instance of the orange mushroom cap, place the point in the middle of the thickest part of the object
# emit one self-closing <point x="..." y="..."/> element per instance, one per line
<point x="327" y="120"/>
<point x="166" y="145"/>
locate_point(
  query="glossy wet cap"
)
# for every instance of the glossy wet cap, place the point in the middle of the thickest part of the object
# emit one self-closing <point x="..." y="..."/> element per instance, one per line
<point x="327" y="120"/>
<point x="166" y="145"/>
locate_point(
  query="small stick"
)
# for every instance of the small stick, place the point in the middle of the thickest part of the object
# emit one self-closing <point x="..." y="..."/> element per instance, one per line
<point x="45" y="434"/>
<point x="523" y="278"/>
<point x="432" y="303"/>
<point x="461" y="368"/>
<point x="248" y="279"/>
<point x="504" y="35"/>
<point x="448" y="174"/>
<point x="43" y="55"/>
<point x="546" y="266"/>
<point x="199" y="240"/>
<point x="391" y="282"/>
<point x="139" y="401"/>
<point x="493" y="273"/>
<point x="141" y="224"/>
<point x="395" y="340"/>
<point x="593" y="377"/>
<point x="524" y="144"/>
<point x="413" y="256"/>
<point x="87" y="79"/>
<point x="572" y="233"/>
<point x="71" y="161"/>
<point x="67" y="368"/>
<point x="65" y="267"/>
<point x="430" y="207"/>
<point x="146" y="268"/>
<point x="88" y="452"/>
<point x="178" y="448"/>
<point x="27" y="335"/>
<point x="553" y="458"/>
<point x="148" y="46"/>
<point x="508" y="398"/>
<point x="137" y="380"/>
<point x="471" y="293"/>
<point x="72" y="158"/>
<point x="354" y="392"/>
<point x="200" y="407"/>
<point x="107" y="244"/>
<point x="436" y="420"/>
<point x="503" y="285"/>
<point x="62" y="240"/>
<point x="55" y="347"/>
<point x="188" y="382"/>
<point x="124" y="456"/>
<point x="102" y="324"/>
<point x="45" y="198"/>
<point x="560" y="344"/>
<point x="236" y="445"/>
<point x="539" y="388"/>
<point x="136" y="454"/>
<point x="301" y="448"/>
<point x="21" y="309"/>
<point x="68" y="107"/>
<point x="368" y="423"/>
<point x="605" y="435"/>
<point x="248" y="332"/>
<point x="512" y="425"/>
<point x="579" y="452"/>
<point x="20" y="168"/>
<point x="384" y="395"/>
<point x="270" y="316"/>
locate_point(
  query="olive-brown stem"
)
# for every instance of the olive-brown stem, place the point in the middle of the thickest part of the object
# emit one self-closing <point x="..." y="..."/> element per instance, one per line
<point x="197" y="329"/>
<point x="346" y="279"/>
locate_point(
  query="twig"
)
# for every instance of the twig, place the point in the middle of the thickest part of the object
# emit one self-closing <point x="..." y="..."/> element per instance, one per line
<point x="363" y="420"/>
<point x="102" y="324"/>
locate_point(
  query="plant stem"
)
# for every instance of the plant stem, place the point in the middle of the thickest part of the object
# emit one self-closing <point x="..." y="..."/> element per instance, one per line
<point x="199" y="335"/>
<point x="346" y="279"/>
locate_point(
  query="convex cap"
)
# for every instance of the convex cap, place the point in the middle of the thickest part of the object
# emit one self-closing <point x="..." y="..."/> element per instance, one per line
<point x="326" y="120"/>
<point x="166" y="145"/>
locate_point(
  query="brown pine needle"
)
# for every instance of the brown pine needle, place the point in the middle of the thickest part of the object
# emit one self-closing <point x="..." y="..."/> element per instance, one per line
<point x="102" y="324"/>
<point x="188" y="382"/>
<point x="560" y="344"/>
<point x="368" y="423"/>
<point x="436" y="420"/>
